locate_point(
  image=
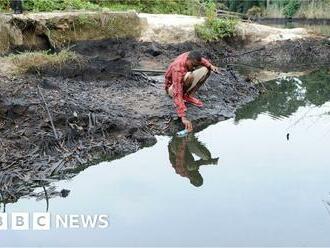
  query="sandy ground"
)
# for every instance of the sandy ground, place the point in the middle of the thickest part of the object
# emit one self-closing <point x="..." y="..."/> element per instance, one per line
<point x="169" y="28"/>
<point x="180" y="28"/>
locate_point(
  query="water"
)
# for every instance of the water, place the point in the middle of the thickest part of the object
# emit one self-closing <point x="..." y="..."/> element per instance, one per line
<point x="241" y="182"/>
<point x="317" y="26"/>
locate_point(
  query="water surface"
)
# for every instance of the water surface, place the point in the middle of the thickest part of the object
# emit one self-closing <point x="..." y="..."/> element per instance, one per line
<point x="318" y="26"/>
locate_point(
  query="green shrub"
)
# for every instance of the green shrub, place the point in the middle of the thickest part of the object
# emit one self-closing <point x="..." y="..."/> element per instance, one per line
<point x="40" y="5"/>
<point x="291" y="7"/>
<point x="215" y="28"/>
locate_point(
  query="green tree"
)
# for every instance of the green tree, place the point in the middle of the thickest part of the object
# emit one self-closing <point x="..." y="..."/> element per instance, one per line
<point x="291" y="7"/>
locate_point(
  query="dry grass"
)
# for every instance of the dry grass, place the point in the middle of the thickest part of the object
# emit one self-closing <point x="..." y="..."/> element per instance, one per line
<point x="314" y="10"/>
<point x="36" y="61"/>
<point x="274" y="11"/>
<point x="318" y="9"/>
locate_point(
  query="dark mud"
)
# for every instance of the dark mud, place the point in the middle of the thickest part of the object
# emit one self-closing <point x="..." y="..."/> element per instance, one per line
<point x="290" y="55"/>
<point x="58" y="122"/>
<point x="107" y="59"/>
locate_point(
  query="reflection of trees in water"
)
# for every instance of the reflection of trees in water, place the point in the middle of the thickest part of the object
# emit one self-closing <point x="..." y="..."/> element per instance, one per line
<point x="181" y="152"/>
<point x="284" y="98"/>
<point x="327" y="205"/>
<point x="318" y="87"/>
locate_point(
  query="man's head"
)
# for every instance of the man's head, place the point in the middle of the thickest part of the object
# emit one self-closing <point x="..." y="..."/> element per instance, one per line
<point x="194" y="59"/>
<point x="196" y="178"/>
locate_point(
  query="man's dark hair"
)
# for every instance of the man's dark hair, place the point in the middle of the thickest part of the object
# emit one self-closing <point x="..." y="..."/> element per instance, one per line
<point x="196" y="178"/>
<point x="195" y="55"/>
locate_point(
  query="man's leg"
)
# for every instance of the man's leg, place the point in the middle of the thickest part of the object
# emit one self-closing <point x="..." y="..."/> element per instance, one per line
<point x="170" y="91"/>
<point x="200" y="75"/>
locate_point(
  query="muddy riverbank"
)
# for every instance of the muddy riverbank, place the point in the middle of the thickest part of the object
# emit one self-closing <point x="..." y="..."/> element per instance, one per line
<point x="58" y="120"/>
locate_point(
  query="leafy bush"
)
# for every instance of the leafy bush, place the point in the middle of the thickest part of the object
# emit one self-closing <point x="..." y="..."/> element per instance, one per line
<point x="41" y="5"/>
<point x="291" y="8"/>
<point x="215" y="28"/>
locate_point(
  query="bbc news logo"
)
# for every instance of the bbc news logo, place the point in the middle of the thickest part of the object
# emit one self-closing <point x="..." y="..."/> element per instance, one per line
<point x="46" y="221"/>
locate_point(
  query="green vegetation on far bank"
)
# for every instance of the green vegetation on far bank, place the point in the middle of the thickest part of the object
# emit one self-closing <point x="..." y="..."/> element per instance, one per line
<point x="279" y="8"/>
<point x="215" y="28"/>
<point x="186" y="7"/>
<point x="51" y="5"/>
<point x="268" y="8"/>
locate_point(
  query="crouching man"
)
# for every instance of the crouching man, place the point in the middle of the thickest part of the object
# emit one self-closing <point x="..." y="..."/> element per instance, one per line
<point x="184" y="76"/>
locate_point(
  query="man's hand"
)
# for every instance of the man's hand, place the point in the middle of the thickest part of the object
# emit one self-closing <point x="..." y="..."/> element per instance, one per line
<point x="187" y="124"/>
<point x="215" y="69"/>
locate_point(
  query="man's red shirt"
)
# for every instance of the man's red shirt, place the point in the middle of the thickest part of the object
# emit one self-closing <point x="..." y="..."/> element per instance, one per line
<point x="174" y="76"/>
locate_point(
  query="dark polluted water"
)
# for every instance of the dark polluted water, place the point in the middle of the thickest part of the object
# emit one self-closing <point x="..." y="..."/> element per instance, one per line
<point x="261" y="179"/>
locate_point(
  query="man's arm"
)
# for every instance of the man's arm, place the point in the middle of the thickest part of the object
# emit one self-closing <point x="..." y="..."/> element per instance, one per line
<point x="167" y="85"/>
<point x="208" y="65"/>
<point x="167" y="79"/>
<point x="181" y="108"/>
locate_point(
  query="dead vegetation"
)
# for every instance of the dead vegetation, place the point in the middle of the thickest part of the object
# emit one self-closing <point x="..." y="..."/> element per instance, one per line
<point x="35" y="62"/>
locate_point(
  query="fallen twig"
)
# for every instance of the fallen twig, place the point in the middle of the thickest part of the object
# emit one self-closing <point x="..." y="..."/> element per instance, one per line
<point x="48" y="112"/>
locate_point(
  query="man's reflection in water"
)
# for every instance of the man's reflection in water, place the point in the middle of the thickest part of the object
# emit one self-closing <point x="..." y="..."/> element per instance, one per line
<point x="181" y="152"/>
